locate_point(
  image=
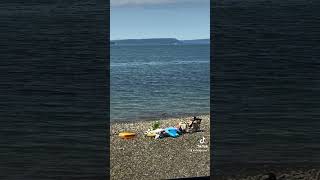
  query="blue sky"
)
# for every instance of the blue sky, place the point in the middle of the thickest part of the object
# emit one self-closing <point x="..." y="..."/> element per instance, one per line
<point x="181" y="19"/>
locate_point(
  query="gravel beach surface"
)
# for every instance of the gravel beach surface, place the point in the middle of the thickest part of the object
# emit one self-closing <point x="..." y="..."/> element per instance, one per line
<point x="148" y="158"/>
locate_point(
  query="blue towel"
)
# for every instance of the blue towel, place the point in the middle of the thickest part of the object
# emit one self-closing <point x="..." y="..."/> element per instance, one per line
<point x="172" y="132"/>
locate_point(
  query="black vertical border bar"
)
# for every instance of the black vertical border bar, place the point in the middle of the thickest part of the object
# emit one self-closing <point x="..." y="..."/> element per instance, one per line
<point x="212" y="47"/>
<point x="107" y="150"/>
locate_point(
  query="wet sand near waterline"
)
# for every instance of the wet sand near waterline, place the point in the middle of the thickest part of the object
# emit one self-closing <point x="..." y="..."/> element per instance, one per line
<point x="148" y="158"/>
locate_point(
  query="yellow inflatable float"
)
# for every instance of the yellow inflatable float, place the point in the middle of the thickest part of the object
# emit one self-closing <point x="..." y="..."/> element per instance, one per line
<point x="150" y="134"/>
<point x="127" y="135"/>
<point x="153" y="133"/>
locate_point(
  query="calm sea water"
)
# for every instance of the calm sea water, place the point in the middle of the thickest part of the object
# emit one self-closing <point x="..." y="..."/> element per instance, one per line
<point x="152" y="82"/>
<point x="266" y="83"/>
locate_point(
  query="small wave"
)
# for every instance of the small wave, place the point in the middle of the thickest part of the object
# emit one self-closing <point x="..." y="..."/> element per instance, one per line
<point x="156" y="63"/>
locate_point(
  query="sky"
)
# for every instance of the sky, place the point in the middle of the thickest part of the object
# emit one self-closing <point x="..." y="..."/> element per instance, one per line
<point x="139" y="19"/>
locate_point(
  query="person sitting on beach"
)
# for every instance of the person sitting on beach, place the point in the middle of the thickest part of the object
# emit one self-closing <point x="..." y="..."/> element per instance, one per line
<point x="193" y="125"/>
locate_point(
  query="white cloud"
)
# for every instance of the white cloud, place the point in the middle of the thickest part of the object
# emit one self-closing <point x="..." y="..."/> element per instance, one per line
<point x="150" y="2"/>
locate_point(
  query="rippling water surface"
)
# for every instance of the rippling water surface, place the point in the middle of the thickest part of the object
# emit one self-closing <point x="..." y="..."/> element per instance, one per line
<point x="159" y="81"/>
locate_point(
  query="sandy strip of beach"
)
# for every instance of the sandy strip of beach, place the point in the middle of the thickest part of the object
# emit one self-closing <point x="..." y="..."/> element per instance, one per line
<point x="147" y="158"/>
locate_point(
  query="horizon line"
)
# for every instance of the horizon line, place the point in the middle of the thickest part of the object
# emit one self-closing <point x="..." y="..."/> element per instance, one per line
<point x="157" y="38"/>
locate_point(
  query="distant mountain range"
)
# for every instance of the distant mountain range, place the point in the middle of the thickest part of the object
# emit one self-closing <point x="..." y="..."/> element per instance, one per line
<point x="158" y="41"/>
<point x="196" y="41"/>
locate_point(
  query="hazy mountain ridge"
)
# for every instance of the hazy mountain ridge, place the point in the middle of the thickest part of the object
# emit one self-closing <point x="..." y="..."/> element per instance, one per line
<point x="196" y="41"/>
<point x="158" y="41"/>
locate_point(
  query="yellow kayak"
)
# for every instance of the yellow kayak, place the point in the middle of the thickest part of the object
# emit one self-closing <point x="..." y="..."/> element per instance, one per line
<point x="127" y="135"/>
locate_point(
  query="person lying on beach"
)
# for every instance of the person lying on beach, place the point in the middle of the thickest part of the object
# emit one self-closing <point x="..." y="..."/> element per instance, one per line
<point x="161" y="133"/>
<point x="182" y="126"/>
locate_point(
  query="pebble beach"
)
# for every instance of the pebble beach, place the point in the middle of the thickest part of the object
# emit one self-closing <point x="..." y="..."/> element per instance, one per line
<point x="148" y="158"/>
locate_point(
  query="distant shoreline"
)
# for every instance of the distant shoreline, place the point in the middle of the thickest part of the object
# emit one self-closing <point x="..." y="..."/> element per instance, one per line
<point x="127" y="45"/>
<point x="159" y="41"/>
<point x="158" y="118"/>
